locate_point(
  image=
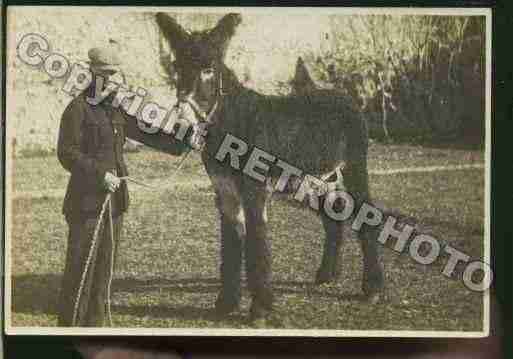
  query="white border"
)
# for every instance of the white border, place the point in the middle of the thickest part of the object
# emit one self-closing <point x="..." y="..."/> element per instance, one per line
<point x="295" y="10"/>
<point x="10" y="330"/>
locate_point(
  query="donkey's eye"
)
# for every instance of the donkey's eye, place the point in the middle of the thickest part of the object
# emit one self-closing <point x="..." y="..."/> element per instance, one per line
<point x="207" y="73"/>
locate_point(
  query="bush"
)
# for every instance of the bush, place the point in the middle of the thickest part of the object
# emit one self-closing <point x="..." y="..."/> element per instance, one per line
<point x="414" y="76"/>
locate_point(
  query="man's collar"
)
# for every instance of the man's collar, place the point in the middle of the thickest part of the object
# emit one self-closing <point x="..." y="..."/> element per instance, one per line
<point x="91" y="91"/>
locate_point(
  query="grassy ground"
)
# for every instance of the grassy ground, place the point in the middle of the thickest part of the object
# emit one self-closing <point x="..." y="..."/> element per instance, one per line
<point x="168" y="266"/>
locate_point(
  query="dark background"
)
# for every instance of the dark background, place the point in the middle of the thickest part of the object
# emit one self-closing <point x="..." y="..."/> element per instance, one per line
<point x="20" y="347"/>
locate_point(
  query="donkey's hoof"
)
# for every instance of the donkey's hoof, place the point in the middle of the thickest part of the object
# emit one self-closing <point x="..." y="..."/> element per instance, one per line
<point x="225" y="306"/>
<point x="324" y="276"/>
<point x="374" y="295"/>
<point x="259" y="315"/>
<point x="374" y="298"/>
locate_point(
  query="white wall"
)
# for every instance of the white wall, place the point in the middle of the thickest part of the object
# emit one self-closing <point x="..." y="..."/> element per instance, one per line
<point x="263" y="52"/>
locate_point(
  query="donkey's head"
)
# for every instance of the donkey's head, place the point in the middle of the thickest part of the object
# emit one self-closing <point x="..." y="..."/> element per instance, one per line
<point x="199" y="62"/>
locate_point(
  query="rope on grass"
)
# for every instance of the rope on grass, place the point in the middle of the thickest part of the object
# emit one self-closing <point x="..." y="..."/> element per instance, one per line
<point x="111" y="273"/>
<point x="89" y="258"/>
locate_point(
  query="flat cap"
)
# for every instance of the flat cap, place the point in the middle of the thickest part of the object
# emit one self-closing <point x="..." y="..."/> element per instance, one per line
<point x="107" y="55"/>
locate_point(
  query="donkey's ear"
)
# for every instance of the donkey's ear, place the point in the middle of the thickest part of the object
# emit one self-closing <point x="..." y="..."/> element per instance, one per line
<point x="173" y="32"/>
<point x="221" y="34"/>
<point x="302" y="82"/>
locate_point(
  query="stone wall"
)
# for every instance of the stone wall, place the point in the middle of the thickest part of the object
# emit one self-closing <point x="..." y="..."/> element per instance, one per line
<point x="263" y="53"/>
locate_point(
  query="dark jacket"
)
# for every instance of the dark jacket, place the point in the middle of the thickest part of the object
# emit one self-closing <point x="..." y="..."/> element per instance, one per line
<point x="91" y="139"/>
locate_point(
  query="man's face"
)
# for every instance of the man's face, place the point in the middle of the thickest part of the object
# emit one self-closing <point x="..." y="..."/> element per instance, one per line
<point x="110" y="72"/>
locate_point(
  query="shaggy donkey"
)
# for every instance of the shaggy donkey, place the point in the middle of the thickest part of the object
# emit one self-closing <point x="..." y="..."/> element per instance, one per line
<point x="317" y="131"/>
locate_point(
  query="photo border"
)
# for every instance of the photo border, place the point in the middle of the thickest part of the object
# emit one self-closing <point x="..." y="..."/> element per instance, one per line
<point x="313" y="333"/>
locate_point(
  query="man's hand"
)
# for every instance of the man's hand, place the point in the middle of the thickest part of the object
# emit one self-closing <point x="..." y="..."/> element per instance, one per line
<point x="111" y="182"/>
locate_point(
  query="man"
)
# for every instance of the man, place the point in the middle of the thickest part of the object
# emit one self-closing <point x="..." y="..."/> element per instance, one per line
<point x="90" y="145"/>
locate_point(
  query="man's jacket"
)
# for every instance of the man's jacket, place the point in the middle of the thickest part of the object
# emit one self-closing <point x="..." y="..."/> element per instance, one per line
<point x="91" y="139"/>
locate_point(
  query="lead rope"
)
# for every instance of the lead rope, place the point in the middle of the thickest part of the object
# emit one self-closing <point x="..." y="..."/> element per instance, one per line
<point x="207" y="118"/>
<point x="88" y="261"/>
<point x="112" y="257"/>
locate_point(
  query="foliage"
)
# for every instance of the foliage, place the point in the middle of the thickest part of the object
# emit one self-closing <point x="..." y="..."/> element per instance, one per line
<point x="413" y="75"/>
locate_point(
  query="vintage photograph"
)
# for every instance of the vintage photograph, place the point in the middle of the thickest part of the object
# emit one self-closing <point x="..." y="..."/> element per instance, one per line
<point x="315" y="172"/>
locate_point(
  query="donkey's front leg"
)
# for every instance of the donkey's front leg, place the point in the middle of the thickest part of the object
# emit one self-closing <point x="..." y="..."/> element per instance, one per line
<point x="233" y="230"/>
<point x="258" y="252"/>
<point x="228" y="298"/>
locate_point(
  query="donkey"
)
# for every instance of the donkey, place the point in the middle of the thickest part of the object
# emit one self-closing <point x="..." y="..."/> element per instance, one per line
<point x="316" y="130"/>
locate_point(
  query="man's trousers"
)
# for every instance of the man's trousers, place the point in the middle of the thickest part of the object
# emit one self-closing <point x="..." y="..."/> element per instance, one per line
<point x="89" y="290"/>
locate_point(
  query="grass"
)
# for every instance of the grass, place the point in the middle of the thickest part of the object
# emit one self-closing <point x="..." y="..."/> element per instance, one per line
<point x="168" y="265"/>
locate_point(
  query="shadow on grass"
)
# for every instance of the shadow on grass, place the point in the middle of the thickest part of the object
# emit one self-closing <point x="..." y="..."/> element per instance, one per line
<point x="39" y="293"/>
<point x="35" y="293"/>
<point x="181" y="313"/>
<point x="186" y="285"/>
<point x="212" y="285"/>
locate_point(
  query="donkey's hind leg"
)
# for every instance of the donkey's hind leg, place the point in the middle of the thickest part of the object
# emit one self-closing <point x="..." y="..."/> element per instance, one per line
<point x="329" y="269"/>
<point x="356" y="181"/>
<point x="232" y="236"/>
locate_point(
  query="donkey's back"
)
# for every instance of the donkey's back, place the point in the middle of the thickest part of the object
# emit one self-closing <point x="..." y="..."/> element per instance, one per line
<point x="314" y="131"/>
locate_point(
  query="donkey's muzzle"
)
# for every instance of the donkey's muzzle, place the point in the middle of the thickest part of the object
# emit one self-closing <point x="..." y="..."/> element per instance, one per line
<point x="189" y="126"/>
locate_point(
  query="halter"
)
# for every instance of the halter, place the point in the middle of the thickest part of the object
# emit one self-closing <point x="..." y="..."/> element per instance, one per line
<point x="204" y="118"/>
<point x="202" y="115"/>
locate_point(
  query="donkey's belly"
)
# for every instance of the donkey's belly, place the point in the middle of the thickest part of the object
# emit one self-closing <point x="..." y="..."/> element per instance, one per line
<point x="314" y="150"/>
